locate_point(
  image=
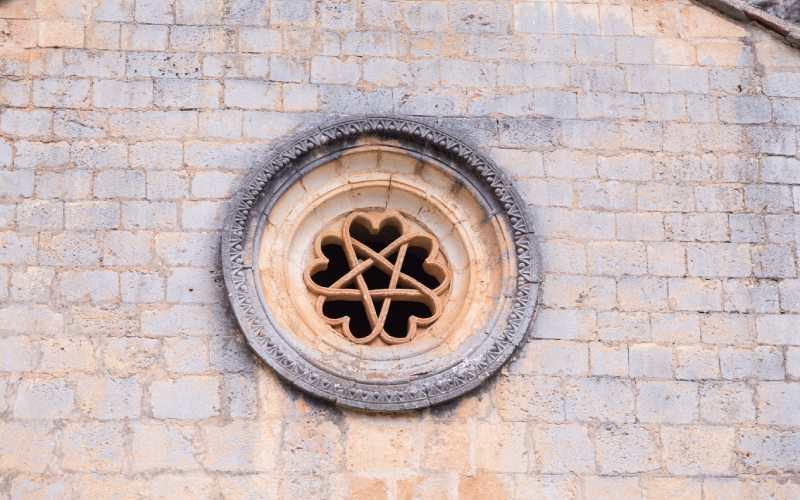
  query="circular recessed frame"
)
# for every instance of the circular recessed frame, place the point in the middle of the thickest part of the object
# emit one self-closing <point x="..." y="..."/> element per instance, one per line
<point x="381" y="263"/>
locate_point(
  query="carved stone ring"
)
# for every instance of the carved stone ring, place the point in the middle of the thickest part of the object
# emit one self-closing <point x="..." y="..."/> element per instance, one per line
<point x="380" y="263"/>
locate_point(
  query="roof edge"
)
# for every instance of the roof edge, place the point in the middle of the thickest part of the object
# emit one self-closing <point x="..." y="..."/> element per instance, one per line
<point x="743" y="11"/>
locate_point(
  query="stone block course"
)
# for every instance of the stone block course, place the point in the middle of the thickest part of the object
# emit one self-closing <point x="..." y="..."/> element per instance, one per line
<point x="654" y="145"/>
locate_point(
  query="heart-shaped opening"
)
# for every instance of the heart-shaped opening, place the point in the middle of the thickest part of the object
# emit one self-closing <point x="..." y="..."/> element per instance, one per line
<point x="378" y="239"/>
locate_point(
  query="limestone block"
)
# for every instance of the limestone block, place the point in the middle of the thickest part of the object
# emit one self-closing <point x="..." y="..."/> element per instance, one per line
<point x="61" y="93"/>
<point x="778" y="403"/>
<point x="697" y="449"/>
<point x="43" y="399"/>
<point x="524" y="398"/>
<point x="66" y="356"/>
<point x="68" y="248"/>
<point x="381" y="443"/>
<point x="613" y="326"/>
<point x="95" y="286"/>
<point x="225" y="124"/>
<point x="15" y="93"/>
<point x="695" y="294"/>
<point x="650" y="360"/>
<point x="139" y="287"/>
<point x="722" y="328"/>
<point x="154" y="11"/>
<point x="120" y="11"/>
<point x="26" y="123"/>
<point x="185" y="398"/>
<point x="40" y="215"/>
<point x="641" y="294"/>
<point x="28" y="318"/>
<point x="696" y="362"/>
<point x="778" y="329"/>
<point x="605" y="399"/>
<point x="762" y="363"/>
<point x="187" y="248"/>
<point x="562" y="448"/>
<point x="161" y="65"/>
<point x="17" y="354"/>
<point x="109" y="399"/>
<point x="292" y="12"/>
<point x="259" y="40"/>
<point x="502" y="447"/>
<point x="426" y="17"/>
<point x="476" y="17"/>
<point x="167" y="486"/>
<point x="770" y="450"/>
<point x="726" y="402"/>
<point x="120" y="94"/>
<point x="299" y="98"/>
<point x="167" y="185"/>
<point x="157" y="215"/>
<point x="666" y="401"/>
<point x="447" y="447"/>
<point x="373" y="43"/>
<point x="332" y="70"/>
<point x="116" y="184"/>
<point x="129" y="354"/>
<point x="193" y="285"/>
<point x="32" y="486"/>
<point x="98" y="64"/>
<point x="178" y="320"/>
<point x="338" y="15"/>
<point x="310" y="445"/>
<point x="154" y="125"/>
<point x="90" y="215"/>
<point x="164" y="447"/>
<point x="156" y="154"/>
<point x="213" y="184"/>
<point x="553" y="357"/>
<point x="565" y="324"/>
<point x="60" y="33"/>
<point x="198" y="12"/>
<point x="627" y="449"/>
<point x="186" y="93"/>
<point x="186" y="355"/>
<point x="26" y="447"/>
<point x="202" y="214"/>
<point x="240" y="395"/>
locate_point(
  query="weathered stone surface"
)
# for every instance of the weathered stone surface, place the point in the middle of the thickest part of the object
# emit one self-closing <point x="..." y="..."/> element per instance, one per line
<point x="654" y="145"/>
<point x="186" y="398"/>
<point x="698" y="450"/>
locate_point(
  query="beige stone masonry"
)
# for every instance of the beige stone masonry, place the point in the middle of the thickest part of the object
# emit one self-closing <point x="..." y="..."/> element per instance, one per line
<point x="654" y="143"/>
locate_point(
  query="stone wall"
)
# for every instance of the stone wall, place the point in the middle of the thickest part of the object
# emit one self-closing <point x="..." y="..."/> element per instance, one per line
<point x="655" y="141"/>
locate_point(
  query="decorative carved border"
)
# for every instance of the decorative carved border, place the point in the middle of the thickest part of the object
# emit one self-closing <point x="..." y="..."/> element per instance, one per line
<point x="237" y="247"/>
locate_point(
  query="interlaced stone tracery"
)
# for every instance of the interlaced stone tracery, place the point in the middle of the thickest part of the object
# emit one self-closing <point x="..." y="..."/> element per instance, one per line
<point x="377" y="278"/>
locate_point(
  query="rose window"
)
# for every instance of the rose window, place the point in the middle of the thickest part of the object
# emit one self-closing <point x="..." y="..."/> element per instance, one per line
<point x="380" y="263"/>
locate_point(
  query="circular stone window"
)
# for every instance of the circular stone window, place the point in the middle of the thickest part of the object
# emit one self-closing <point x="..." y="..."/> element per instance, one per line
<point x="380" y="263"/>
